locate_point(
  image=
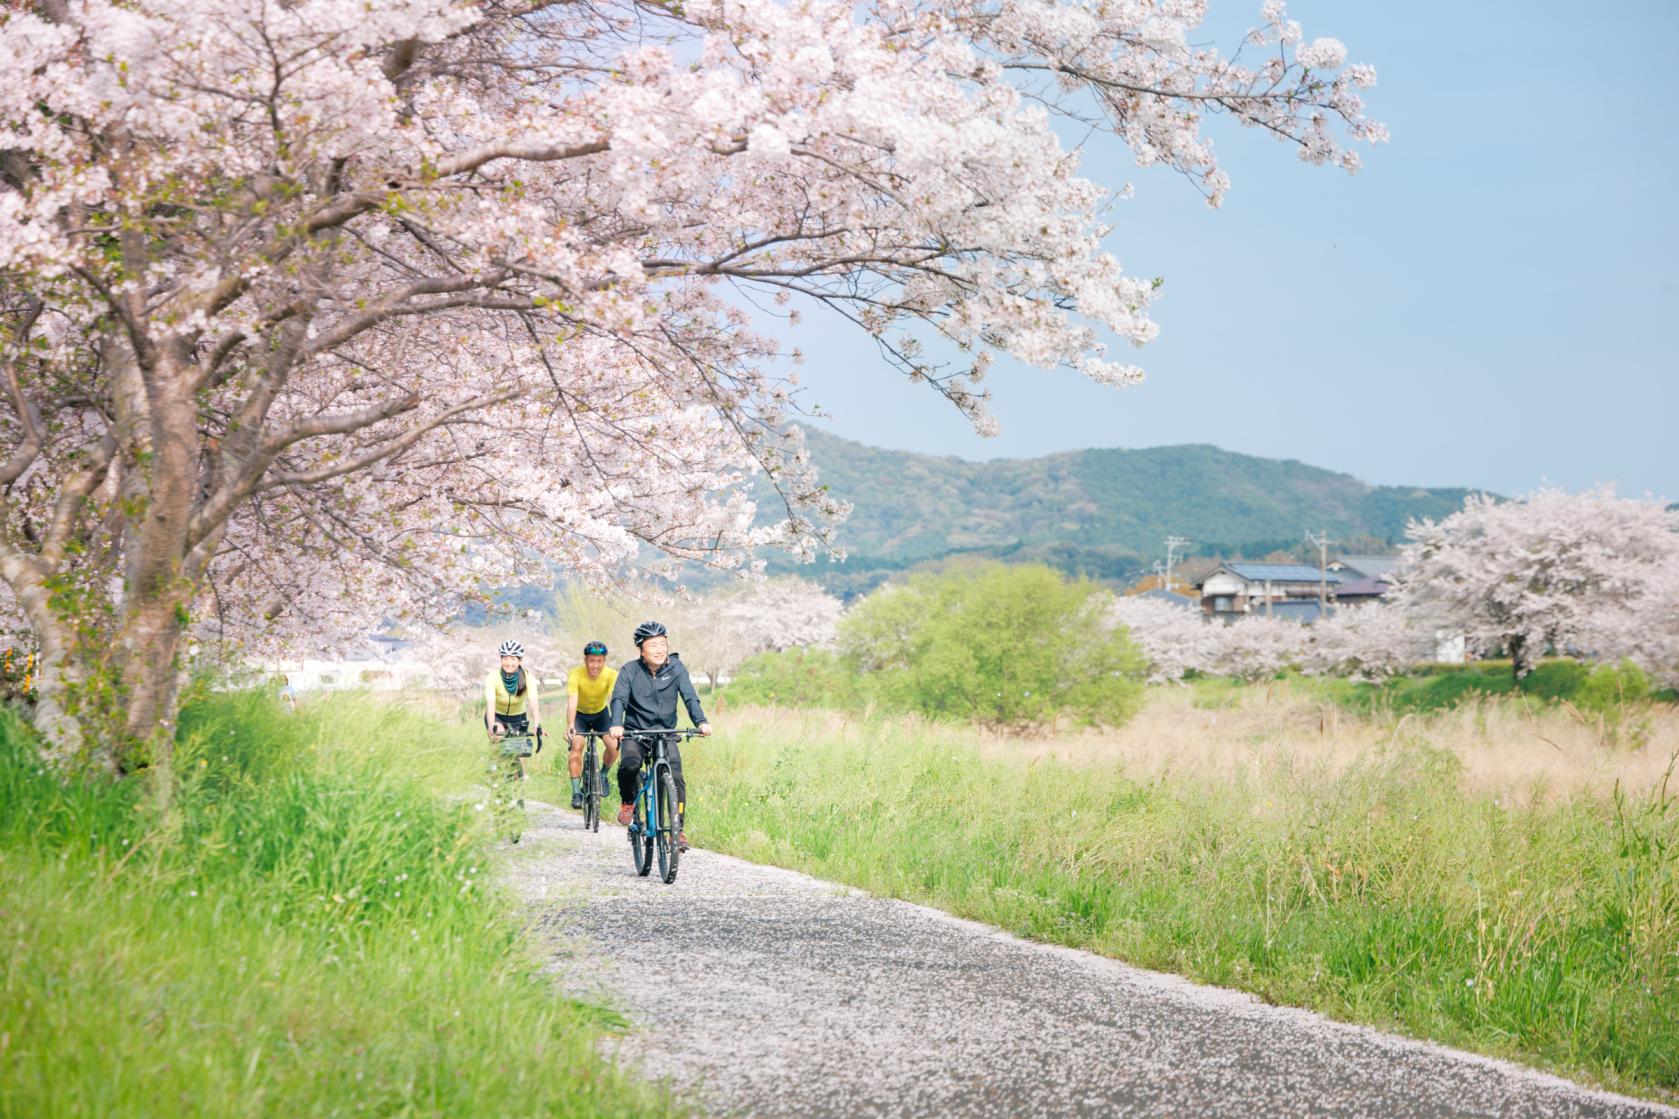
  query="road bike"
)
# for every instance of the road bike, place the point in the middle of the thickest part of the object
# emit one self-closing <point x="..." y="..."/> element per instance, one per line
<point x="506" y="780"/>
<point x="594" y="784"/>
<point x="657" y="819"/>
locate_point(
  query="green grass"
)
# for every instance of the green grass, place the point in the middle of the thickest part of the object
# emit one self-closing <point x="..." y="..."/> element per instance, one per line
<point x="310" y="932"/>
<point x="801" y="678"/>
<point x="1600" y="689"/>
<point x="1543" y="930"/>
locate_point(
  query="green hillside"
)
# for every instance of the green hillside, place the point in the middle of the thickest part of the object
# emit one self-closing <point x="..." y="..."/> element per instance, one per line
<point x="1098" y="512"/>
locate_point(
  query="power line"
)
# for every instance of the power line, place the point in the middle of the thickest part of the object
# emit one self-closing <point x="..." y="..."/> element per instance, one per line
<point x="1321" y="541"/>
<point x="1173" y="543"/>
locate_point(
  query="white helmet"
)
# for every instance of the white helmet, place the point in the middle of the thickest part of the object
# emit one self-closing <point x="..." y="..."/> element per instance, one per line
<point x="511" y="649"/>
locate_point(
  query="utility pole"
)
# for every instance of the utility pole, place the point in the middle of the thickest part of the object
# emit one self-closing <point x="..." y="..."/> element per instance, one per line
<point x="1321" y="539"/>
<point x="1173" y="543"/>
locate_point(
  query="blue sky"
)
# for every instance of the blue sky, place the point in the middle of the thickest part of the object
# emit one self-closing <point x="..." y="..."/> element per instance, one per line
<point x="1489" y="303"/>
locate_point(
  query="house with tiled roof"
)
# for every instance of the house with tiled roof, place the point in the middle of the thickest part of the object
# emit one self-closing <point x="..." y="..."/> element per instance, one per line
<point x="1240" y="588"/>
<point x="1370" y="588"/>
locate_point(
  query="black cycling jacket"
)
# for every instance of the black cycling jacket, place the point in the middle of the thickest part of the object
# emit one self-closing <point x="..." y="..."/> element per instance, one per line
<point x="644" y="701"/>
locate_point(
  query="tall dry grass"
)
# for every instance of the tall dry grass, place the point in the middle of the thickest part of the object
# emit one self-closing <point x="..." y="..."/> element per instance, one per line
<point x="1499" y="876"/>
<point x="1504" y="744"/>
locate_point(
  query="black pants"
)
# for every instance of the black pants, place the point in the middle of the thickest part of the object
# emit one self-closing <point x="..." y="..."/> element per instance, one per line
<point x="630" y="753"/>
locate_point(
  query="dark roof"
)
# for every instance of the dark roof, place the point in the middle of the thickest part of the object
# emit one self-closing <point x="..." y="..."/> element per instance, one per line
<point x="1370" y="566"/>
<point x="1368" y="587"/>
<point x="1279" y="573"/>
<point x="1173" y="597"/>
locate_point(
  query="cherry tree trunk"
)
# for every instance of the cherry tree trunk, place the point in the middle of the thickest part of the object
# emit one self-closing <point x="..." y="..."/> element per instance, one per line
<point x="158" y="582"/>
<point x="111" y="651"/>
<point x="1519" y="663"/>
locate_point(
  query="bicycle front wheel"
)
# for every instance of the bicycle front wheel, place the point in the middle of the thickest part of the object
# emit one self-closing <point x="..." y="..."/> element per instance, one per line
<point x="591" y="797"/>
<point x="641" y="839"/>
<point x="669" y="825"/>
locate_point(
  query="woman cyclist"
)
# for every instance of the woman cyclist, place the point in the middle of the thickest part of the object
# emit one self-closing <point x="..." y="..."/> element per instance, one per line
<point x="510" y="705"/>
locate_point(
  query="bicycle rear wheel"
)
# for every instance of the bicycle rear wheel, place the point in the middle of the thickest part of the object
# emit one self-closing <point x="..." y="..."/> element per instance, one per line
<point x="641" y="839"/>
<point x="669" y="824"/>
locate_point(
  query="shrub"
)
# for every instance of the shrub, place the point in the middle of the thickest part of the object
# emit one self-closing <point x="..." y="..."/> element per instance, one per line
<point x="1611" y="687"/>
<point x="1015" y="646"/>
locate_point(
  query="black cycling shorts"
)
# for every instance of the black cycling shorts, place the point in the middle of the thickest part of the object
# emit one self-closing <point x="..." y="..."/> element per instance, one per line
<point x="598" y="723"/>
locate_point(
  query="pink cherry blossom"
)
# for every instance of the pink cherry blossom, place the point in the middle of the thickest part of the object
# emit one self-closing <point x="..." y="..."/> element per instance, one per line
<point x="322" y="314"/>
<point x="1590" y="573"/>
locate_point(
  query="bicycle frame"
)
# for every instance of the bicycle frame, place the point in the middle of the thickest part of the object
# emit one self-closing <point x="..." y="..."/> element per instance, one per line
<point x="647" y="797"/>
<point x="644" y="828"/>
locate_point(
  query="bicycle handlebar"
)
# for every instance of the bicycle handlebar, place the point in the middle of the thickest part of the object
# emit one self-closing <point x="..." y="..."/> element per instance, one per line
<point x="685" y="732"/>
<point x="506" y="734"/>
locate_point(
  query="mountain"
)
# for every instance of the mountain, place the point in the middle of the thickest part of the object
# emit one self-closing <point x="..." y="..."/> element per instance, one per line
<point x="1103" y="513"/>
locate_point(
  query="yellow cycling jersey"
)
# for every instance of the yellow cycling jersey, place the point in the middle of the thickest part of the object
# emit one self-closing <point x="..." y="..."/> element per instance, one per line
<point x="592" y="695"/>
<point x="501" y="701"/>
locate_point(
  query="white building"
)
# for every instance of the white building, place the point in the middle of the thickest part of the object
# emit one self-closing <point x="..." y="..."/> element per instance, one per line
<point x="1290" y="590"/>
<point x="382" y="667"/>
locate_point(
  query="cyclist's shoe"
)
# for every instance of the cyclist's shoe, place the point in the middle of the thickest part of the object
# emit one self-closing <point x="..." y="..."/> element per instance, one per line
<point x="681" y="841"/>
<point x="624" y="814"/>
<point x="577" y="800"/>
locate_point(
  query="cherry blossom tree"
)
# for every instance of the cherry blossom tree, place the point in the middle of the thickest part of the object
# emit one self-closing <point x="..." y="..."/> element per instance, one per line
<point x="1258" y="647"/>
<point x="721" y="630"/>
<point x="1173" y="639"/>
<point x="461" y="656"/>
<point x="1649" y="636"/>
<point x="323" y="313"/>
<point x="1591" y="573"/>
<point x="712" y="632"/>
<point x="1368" y="642"/>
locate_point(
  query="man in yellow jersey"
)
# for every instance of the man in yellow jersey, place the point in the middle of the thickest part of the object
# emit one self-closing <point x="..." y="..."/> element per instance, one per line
<point x="588" y="691"/>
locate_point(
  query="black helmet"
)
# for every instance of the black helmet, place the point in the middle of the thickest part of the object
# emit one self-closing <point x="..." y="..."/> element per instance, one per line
<point x="595" y="649"/>
<point x="646" y="630"/>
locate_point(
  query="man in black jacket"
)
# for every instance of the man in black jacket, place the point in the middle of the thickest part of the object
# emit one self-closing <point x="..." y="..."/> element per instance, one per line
<point x="645" y="699"/>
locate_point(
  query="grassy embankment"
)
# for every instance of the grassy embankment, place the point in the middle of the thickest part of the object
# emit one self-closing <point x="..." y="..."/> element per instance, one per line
<point x="312" y="932"/>
<point x="1501" y="875"/>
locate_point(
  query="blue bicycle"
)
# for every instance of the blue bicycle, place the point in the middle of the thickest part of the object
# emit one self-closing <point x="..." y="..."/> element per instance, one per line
<point x="657" y="820"/>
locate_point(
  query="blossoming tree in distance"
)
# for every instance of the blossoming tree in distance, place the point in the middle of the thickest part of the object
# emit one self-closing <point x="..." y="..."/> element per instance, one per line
<point x="319" y="313"/>
<point x="1590" y="573"/>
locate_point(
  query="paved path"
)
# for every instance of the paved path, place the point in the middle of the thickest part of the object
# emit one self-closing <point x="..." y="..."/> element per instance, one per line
<point x="775" y="994"/>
